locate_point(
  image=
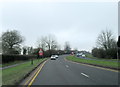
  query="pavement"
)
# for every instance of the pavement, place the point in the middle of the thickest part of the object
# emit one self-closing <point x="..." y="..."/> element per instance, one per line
<point x="63" y="72"/>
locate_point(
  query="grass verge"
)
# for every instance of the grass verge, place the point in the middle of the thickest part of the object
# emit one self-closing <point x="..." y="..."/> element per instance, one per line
<point x="90" y="56"/>
<point x="13" y="63"/>
<point x="11" y="76"/>
<point x="108" y="64"/>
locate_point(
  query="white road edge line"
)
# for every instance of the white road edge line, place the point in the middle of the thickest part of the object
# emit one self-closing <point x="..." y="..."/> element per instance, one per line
<point x="85" y="75"/>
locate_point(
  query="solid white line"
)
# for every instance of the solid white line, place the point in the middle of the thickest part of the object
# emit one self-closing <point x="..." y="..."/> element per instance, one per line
<point x="85" y="75"/>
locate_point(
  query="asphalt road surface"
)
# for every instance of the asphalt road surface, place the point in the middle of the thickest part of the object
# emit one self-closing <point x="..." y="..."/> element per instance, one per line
<point x="62" y="72"/>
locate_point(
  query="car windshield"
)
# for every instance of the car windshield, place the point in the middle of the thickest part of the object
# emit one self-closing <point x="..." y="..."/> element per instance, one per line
<point x="53" y="56"/>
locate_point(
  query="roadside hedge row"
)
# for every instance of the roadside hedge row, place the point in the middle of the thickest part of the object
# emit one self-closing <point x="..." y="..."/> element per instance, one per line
<point x="6" y="58"/>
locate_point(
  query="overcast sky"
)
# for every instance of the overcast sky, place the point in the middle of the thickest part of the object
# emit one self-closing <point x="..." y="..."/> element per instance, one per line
<point x="77" y="22"/>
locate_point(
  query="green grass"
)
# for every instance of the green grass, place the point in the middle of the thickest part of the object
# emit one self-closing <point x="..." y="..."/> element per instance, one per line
<point x="12" y="75"/>
<point x="90" y="56"/>
<point x="102" y="63"/>
<point x="11" y="63"/>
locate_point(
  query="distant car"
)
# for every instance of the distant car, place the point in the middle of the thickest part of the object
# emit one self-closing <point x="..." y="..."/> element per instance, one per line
<point x="53" y="57"/>
<point x="56" y="56"/>
<point x="77" y="54"/>
<point x="83" y="55"/>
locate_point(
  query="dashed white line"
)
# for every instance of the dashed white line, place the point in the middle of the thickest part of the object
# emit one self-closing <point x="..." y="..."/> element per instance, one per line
<point x="67" y="66"/>
<point x="85" y="75"/>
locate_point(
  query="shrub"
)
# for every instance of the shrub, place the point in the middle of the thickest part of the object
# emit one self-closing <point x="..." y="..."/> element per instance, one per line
<point x="101" y="53"/>
<point x="6" y="58"/>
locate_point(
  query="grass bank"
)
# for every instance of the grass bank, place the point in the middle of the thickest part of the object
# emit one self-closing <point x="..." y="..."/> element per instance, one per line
<point x="14" y="74"/>
<point x="13" y="63"/>
<point x="91" y="56"/>
<point x="109" y="64"/>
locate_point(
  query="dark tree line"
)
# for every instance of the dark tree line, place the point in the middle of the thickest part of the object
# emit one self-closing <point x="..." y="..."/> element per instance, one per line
<point x="11" y="40"/>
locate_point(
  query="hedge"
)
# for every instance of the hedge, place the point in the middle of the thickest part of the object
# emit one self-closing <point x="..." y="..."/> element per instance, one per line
<point x="15" y="57"/>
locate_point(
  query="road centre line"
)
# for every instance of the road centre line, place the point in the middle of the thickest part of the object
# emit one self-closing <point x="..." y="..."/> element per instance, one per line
<point x="85" y="75"/>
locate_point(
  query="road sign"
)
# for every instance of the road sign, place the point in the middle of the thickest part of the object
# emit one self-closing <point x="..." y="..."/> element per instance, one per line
<point x="41" y="52"/>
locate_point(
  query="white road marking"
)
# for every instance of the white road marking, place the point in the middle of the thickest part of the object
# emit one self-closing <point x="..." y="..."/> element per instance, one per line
<point x="85" y="75"/>
<point x="67" y="66"/>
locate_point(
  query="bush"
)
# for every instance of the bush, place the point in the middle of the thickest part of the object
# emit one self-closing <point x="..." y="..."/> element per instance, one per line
<point x="101" y="53"/>
<point x="6" y="58"/>
<point x="111" y="53"/>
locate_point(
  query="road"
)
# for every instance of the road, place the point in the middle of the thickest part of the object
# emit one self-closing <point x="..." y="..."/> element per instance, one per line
<point x="63" y="72"/>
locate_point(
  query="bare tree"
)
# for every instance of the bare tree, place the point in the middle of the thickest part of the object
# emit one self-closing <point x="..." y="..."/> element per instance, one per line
<point x="27" y="50"/>
<point x="30" y="50"/>
<point x="24" y="50"/>
<point x="47" y="43"/>
<point x="76" y="50"/>
<point x="106" y="40"/>
<point x="67" y="47"/>
<point x="58" y="47"/>
<point x="106" y="45"/>
<point x="51" y="42"/>
<point x="41" y="43"/>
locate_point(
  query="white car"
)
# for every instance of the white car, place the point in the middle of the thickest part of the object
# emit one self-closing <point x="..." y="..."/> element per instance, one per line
<point x="78" y="54"/>
<point x="56" y="56"/>
<point x="53" y="57"/>
<point x="83" y="55"/>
